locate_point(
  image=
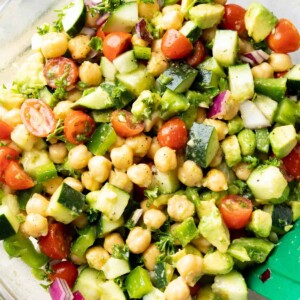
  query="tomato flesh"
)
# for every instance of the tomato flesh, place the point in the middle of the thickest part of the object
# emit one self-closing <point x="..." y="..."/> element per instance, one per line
<point x="5" y="131"/>
<point x="234" y="18"/>
<point x="65" y="270"/>
<point x="292" y="162"/>
<point x="198" y="54"/>
<point x="7" y="155"/>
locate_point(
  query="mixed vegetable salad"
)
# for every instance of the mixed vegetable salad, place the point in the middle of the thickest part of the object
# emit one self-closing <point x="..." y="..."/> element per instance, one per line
<point x="150" y="148"/>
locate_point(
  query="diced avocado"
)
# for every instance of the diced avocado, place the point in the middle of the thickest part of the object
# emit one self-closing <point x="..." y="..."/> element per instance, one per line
<point x="283" y="139"/>
<point x="111" y="291"/>
<point x="295" y="205"/>
<point x="238" y="252"/>
<point x="286" y="113"/>
<point x="266" y="105"/>
<point x="186" y="231"/>
<point x="232" y="150"/>
<point x="235" y="125"/>
<point x="267" y="184"/>
<point x="259" y="21"/>
<point x="275" y="88"/>
<point x="231" y="286"/>
<point x="186" y="5"/>
<point x="247" y="141"/>
<point x="216" y="262"/>
<point x="115" y="267"/>
<point x="206" y="15"/>
<point x="262" y="140"/>
<point x="202" y="144"/>
<point x="212" y="65"/>
<point x="260" y="223"/>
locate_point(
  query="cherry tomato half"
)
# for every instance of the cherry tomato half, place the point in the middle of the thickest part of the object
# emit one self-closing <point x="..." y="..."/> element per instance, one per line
<point x="292" y="162"/>
<point x="234" y="18"/>
<point x="5" y="130"/>
<point x="16" y="178"/>
<point x="198" y="54"/>
<point x="175" y="45"/>
<point x="173" y="134"/>
<point x="38" y="117"/>
<point x="116" y="43"/>
<point x="78" y="126"/>
<point x="284" y="38"/>
<point x="56" y="244"/>
<point x="236" y="211"/>
<point x="7" y="155"/>
<point x="124" y="123"/>
<point x="60" y="68"/>
<point x="65" y="270"/>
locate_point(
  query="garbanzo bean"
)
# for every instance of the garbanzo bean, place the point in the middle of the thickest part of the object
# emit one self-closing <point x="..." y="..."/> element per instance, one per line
<point x="138" y="240"/>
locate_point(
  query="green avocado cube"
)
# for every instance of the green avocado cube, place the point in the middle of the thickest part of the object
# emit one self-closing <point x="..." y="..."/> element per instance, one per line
<point x="260" y="223"/>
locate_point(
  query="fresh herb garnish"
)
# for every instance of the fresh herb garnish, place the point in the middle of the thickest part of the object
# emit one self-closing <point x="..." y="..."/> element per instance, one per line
<point x="43" y="29"/>
<point x="57" y="25"/>
<point x="96" y="43"/>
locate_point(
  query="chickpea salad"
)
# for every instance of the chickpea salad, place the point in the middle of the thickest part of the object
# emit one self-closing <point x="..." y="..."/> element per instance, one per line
<point x="149" y="149"/>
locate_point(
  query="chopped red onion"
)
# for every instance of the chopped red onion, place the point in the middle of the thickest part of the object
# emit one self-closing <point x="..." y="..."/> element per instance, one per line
<point x="102" y="19"/>
<point x="255" y="57"/>
<point x="77" y="296"/>
<point x="88" y="31"/>
<point x="137" y="215"/>
<point x="142" y="31"/>
<point x="92" y="54"/>
<point x="59" y="290"/>
<point x="218" y="107"/>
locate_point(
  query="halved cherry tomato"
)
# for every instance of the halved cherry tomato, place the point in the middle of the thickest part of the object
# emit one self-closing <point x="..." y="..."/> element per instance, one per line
<point x="5" y="130"/>
<point x="280" y="74"/>
<point x="175" y="45"/>
<point x="124" y="123"/>
<point x="38" y="117"/>
<point x="56" y="244"/>
<point x="236" y="211"/>
<point x="284" y="38"/>
<point x="65" y="270"/>
<point x="116" y="43"/>
<point x="173" y="134"/>
<point x="78" y="126"/>
<point x="7" y="155"/>
<point x="60" y="68"/>
<point x="197" y="56"/>
<point x="16" y="178"/>
<point x="292" y="162"/>
<point x="234" y="18"/>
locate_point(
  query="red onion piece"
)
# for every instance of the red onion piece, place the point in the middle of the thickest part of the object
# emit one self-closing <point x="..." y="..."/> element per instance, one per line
<point x="59" y="290"/>
<point x="88" y="31"/>
<point x="255" y="57"/>
<point x="102" y="19"/>
<point x="92" y="54"/>
<point x="218" y="107"/>
<point x="142" y="31"/>
<point x="77" y="296"/>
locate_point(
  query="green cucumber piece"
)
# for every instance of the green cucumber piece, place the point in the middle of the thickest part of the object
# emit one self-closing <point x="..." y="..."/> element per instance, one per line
<point x="9" y="224"/>
<point x="287" y="112"/>
<point x="211" y="64"/>
<point x="86" y="239"/>
<point x="262" y="140"/>
<point x="267" y="106"/>
<point x="105" y="225"/>
<point x="126" y="62"/>
<point x="108" y="69"/>
<point x="115" y="267"/>
<point x="102" y="116"/>
<point x="191" y="30"/>
<point x="162" y="274"/>
<point x="141" y="52"/>
<point x="293" y="80"/>
<point x="167" y="182"/>
<point x="275" y="88"/>
<point x="111" y="291"/>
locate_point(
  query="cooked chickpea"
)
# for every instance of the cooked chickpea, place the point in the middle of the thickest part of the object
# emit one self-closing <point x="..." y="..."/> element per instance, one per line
<point x="165" y="159"/>
<point x="120" y="180"/>
<point x="81" y="221"/>
<point x="148" y="10"/>
<point x="138" y="240"/>
<point x="79" y="157"/>
<point x="150" y="257"/>
<point x="154" y="146"/>
<point x="74" y="183"/>
<point x="91" y="19"/>
<point x="177" y="289"/>
<point x="264" y="70"/>
<point x="180" y="208"/>
<point x="242" y="171"/>
<point x="37" y="204"/>
<point x="122" y="157"/>
<point x="111" y="240"/>
<point x="99" y="167"/>
<point x="96" y="257"/>
<point x="35" y="225"/>
<point x="58" y="152"/>
<point x="139" y="144"/>
<point x="157" y="64"/>
<point x="280" y="62"/>
<point x="146" y="205"/>
<point x="201" y="115"/>
<point x="79" y="46"/>
<point x="51" y="185"/>
<point x="61" y="109"/>
<point x="140" y="174"/>
<point x="221" y="127"/>
<point x="202" y="244"/>
<point x="156" y="46"/>
<point x="90" y="73"/>
<point x="118" y="143"/>
<point x="12" y="117"/>
<point x="136" y="41"/>
<point x="172" y="18"/>
<point x="154" y="218"/>
<point x="215" y="180"/>
<point x="190" y="174"/>
<point x="78" y="260"/>
<point x="190" y="268"/>
<point x="89" y="182"/>
<point x="217" y="159"/>
<point x="54" y="44"/>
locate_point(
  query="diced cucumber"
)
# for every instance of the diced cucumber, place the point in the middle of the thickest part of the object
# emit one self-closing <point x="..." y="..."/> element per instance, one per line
<point x="115" y="267"/>
<point x="167" y="182"/>
<point x="262" y="140"/>
<point x="186" y="231"/>
<point x="274" y="88"/>
<point x="247" y="141"/>
<point x="86" y="239"/>
<point x="106" y="225"/>
<point x="232" y="150"/>
<point x="215" y="263"/>
<point x="266" y="105"/>
<point x="286" y="113"/>
<point x="111" y="291"/>
<point x="155" y="294"/>
<point x="102" y="116"/>
<point x="191" y="30"/>
<point x="205" y="80"/>
<point x="141" y="52"/>
<point x="293" y="80"/>
<point x="47" y="97"/>
<point x="163" y="273"/>
<point x="9" y="224"/>
<point x="108" y="69"/>
<point x="125" y="62"/>
<point x="211" y="64"/>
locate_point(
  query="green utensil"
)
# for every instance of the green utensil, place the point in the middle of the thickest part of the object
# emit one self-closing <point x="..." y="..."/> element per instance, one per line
<point x="279" y="277"/>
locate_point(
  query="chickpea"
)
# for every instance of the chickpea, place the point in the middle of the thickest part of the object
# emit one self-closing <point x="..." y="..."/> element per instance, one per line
<point x="111" y="240"/>
<point x="154" y="218"/>
<point x="217" y="159"/>
<point x="79" y="157"/>
<point x="154" y="146"/>
<point x="91" y="19"/>
<point x="35" y="225"/>
<point x="120" y="180"/>
<point x="242" y="171"/>
<point x="180" y="208"/>
<point x="172" y="18"/>
<point x="51" y="185"/>
<point x="264" y="70"/>
<point x="221" y="127"/>
<point x="147" y="205"/>
<point x="90" y="73"/>
<point x="136" y="41"/>
<point x="190" y="174"/>
<point x="148" y="10"/>
<point x="58" y="152"/>
<point x="122" y="157"/>
<point x="157" y="64"/>
<point x="89" y="182"/>
<point x="215" y="180"/>
<point x="201" y="115"/>
<point x="74" y="183"/>
<point x="150" y="257"/>
<point x="138" y="240"/>
<point x="54" y="44"/>
<point x="177" y="289"/>
<point x="140" y="174"/>
<point x="139" y="144"/>
<point x="81" y="221"/>
<point x="96" y="257"/>
<point x="12" y="117"/>
<point x="79" y="46"/>
<point x="118" y="143"/>
<point x="280" y="62"/>
<point x="202" y="244"/>
<point x="37" y="204"/>
<point x="156" y="46"/>
<point x="99" y="167"/>
<point x="165" y="159"/>
<point x="61" y="109"/>
<point x="78" y="260"/>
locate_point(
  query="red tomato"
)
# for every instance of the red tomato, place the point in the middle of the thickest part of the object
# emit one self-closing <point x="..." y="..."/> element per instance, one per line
<point x="16" y="178"/>
<point x="292" y="162"/>
<point x="284" y="38"/>
<point x="65" y="270"/>
<point x="60" y="68"/>
<point x="78" y="126"/>
<point x="116" y="43"/>
<point x="7" y="155"/>
<point x="124" y="123"/>
<point x="234" y="18"/>
<point x="197" y="56"/>
<point x="5" y="130"/>
<point x="175" y="45"/>
<point x="195" y="289"/>
<point x="173" y="134"/>
<point x="38" y="117"/>
<point x="56" y="244"/>
<point x="280" y="74"/>
<point x="236" y="211"/>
